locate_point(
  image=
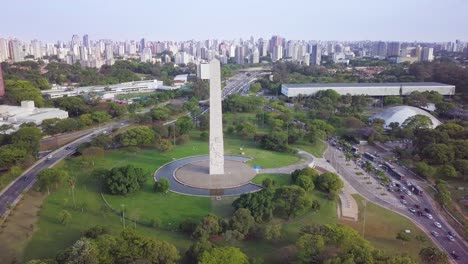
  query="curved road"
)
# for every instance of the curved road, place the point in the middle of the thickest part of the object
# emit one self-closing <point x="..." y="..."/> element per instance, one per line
<point x="459" y="245"/>
<point x="12" y="193"/>
<point x="168" y="169"/>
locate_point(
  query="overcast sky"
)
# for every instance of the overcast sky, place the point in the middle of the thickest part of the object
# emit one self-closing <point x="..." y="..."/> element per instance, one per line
<point x="406" y="20"/>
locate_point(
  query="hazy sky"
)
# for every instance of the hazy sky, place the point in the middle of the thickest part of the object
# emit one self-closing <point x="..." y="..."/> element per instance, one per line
<point x="408" y="20"/>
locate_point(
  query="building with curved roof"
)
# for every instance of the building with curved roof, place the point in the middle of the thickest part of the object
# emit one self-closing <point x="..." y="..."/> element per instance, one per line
<point x="401" y="113"/>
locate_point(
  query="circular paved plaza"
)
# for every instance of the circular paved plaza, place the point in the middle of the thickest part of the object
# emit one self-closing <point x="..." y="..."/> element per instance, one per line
<point x="190" y="176"/>
<point x="196" y="174"/>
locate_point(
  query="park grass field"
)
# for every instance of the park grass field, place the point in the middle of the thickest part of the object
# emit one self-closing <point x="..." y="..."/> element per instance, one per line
<point x="382" y="226"/>
<point x="167" y="209"/>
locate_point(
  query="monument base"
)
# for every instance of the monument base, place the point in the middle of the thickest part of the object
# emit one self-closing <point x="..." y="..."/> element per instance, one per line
<point x="196" y="174"/>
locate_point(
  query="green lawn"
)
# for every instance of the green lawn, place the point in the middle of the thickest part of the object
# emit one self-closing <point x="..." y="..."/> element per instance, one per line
<point x="280" y="179"/>
<point x="317" y="149"/>
<point x="382" y="226"/>
<point x="144" y="205"/>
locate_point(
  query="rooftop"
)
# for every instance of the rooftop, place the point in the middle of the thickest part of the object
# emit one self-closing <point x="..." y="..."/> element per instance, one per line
<point x="397" y="84"/>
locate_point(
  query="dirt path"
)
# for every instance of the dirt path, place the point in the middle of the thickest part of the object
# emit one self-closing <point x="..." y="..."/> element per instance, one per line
<point x="19" y="227"/>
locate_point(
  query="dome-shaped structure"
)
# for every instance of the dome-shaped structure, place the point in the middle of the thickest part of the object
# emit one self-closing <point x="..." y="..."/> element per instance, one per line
<point x="401" y="113"/>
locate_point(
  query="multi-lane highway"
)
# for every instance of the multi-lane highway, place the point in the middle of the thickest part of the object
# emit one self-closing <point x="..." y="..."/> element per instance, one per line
<point x="337" y="160"/>
<point x="12" y="193"/>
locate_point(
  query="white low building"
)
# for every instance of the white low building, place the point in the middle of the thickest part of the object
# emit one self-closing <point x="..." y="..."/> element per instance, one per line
<point x="369" y="89"/>
<point x="107" y="91"/>
<point x="28" y="113"/>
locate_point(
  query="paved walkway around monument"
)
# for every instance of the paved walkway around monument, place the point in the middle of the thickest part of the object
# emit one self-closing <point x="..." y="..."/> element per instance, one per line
<point x="167" y="171"/>
<point x="348" y="206"/>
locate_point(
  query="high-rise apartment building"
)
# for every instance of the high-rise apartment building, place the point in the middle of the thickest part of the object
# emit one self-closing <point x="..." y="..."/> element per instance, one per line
<point x="315" y="55"/>
<point x="240" y="55"/>
<point x="393" y="49"/>
<point x="16" y="50"/>
<point x="277" y="53"/>
<point x="2" y="85"/>
<point x="36" y="49"/>
<point x="4" y="52"/>
<point x="86" y="41"/>
<point x="427" y="54"/>
<point x="380" y="49"/>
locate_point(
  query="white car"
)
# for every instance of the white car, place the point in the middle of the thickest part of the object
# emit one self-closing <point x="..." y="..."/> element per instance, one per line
<point x="437" y="224"/>
<point x="434" y="233"/>
<point x="403" y="201"/>
<point x="451" y="238"/>
<point x="429" y="216"/>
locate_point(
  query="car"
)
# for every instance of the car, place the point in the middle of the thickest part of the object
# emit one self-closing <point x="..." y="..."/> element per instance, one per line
<point x="402" y="197"/>
<point x="412" y="210"/>
<point x="427" y="210"/>
<point x="437" y="224"/>
<point x="419" y="213"/>
<point x="434" y="233"/>
<point x="328" y="161"/>
<point x="451" y="233"/>
<point x="429" y="216"/>
<point x="451" y="238"/>
<point x="49" y="157"/>
<point x="408" y="184"/>
<point x="389" y="189"/>
<point x="454" y="255"/>
<point x="417" y="206"/>
<point x="403" y="201"/>
<point x="67" y="147"/>
<point x="398" y="185"/>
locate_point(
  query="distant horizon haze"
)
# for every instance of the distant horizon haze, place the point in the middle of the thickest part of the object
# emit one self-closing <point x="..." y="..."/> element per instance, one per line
<point x="352" y="20"/>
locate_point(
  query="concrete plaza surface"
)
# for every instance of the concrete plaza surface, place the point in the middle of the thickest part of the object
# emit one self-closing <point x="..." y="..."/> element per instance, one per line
<point x="196" y="174"/>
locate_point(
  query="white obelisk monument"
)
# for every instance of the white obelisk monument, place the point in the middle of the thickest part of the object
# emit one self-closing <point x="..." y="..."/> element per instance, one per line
<point x="216" y="120"/>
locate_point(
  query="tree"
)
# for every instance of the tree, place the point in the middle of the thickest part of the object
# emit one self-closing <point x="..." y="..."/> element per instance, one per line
<point x="424" y="169"/>
<point x="255" y="87"/>
<point x="439" y="153"/>
<point x="11" y="155"/>
<point x="208" y="227"/>
<point x="86" y="119"/>
<point x="124" y="180"/>
<point x="447" y="171"/>
<point x="160" y="114"/>
<point x="271" y="232"/>
<point x="65" y="217"/>
<point x="136" y="136"/>
<point x="305" y="182"/>
<point x="51" y="178"/>
<point x="164" y="145"/>
<point x="242" y="221"/>
<point x="403" y="236"/>
<point x="200" y="89"/>
<point x="223" y="255"/>
<point x="74" y="105"/>
<point x="329" y="182"/>
<point x="432" y="255"/>
<point x="309" y="246"/>
<point x="20" y="90"/>
<point x="417" y="121"/>
<point x="100" y="117"/>
<point x="260" y="204"/>
<point x="162" y="185"/>
<point x="28" y="138"/>
<point x="184" y="124"/>
<point x="83" y="251"/>
<point x="197" y="249"/>
<point x="117" y="110"/>
<point x="292" y="200"/>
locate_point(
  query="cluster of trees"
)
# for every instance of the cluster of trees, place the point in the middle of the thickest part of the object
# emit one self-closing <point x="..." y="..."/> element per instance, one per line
<point x="441" y="71"/>
<point x="19" y="148"/>
<point x="337" y="243"/>
<point x="308" y="179"/>
<point x="98" y="246"/>
<point x="121" y="71"/>
<point x="27" y="71"/>
<point x="242" y="104"/>
<point x="442" y="152"/>
<point x="123" y="180"/>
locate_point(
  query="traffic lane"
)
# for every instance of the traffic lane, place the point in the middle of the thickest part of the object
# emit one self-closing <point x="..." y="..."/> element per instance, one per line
<point x="427" y="225"/>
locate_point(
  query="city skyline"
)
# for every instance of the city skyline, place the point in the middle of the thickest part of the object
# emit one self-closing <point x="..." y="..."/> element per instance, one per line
<point x="52" y="20"/>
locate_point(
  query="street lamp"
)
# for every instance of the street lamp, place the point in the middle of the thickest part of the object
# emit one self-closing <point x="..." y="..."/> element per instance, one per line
<point x="123" y="215"/>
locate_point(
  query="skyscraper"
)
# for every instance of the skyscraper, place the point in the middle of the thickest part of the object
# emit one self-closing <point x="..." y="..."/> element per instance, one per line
<point x="75" y="40"/>
<point x="240" y="55"/>
<point x="380" y="49"/>
<point x="2" y="85"/>
<point x="4" y="52"/>
<point x="255" y="56"/>
<point x="393" y="49"/>
<point x="427" y="54"/>
<point x="16" y="50"/>
<point x="315" y="55"/>
<point x="36" y="49"/>
<point x="86" y="41"/>
<point x="277" y="53"/>
<point x="142" y="44"/>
